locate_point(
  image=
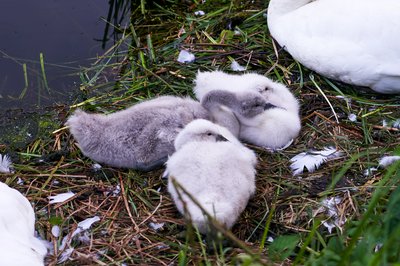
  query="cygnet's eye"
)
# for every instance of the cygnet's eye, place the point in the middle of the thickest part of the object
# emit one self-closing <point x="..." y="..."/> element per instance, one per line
<point x="209" y="134"/>
<point x="261" y="88"/>
<point x="266" y="89"/>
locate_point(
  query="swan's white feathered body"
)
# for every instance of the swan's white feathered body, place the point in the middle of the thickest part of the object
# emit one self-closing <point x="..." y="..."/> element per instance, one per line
<point x="276" y="127"/>
<point x="355" y="41"/>
<point x="216" y="169"/>
<point x="18" y="246"/>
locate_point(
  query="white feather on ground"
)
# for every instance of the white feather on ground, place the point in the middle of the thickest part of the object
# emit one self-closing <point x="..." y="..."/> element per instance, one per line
<point x="330" y="207"/>
<point x="65" y="255"/>
<point x="5" y="164"/>
<point x="352" y="117"/>
<point x="385" y="161"/>
<point x="199" y="13"/>
<point x="312" y="160"/>
<point x="96" y="167"/>
<point x="156" y="226"/>
<point x="186" y="57"/>
<point x="82" y="227"/>
<point x="115" y="191"/>
<point x="85" y="225"/>
<point x="235" y="66"/>
<point x="396" y="123"/>
<point x="60" y="197"/>
<point x="369" y="171"/>
<point x="55" y="231"/>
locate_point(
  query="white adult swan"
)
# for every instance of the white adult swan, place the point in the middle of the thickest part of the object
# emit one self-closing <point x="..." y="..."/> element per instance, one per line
<point x="354" y="41"/>
<point x="18" y="246"/>
<point x="216" y="169"/>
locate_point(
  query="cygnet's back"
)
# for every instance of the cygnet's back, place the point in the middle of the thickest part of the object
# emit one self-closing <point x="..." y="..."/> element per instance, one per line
<point x="274" y="128"/>
<point x="216" y="169"/>
<point x="18" y="246"/>
<point x="218" y="80"/>
<point x="140" y="137"/>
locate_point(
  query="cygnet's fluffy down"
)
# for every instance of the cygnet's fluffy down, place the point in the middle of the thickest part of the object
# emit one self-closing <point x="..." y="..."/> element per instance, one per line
<point x="140" y="137"/>
<point x="18" y="246"/>
<point x="216" y="169"/>
<point x="276" y="127"/>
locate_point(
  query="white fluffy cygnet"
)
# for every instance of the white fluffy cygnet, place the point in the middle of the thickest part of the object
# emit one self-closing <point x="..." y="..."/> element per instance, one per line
<point x="214" y="168"/>
<point x="140" y="137"/>
<point x="18" y="245"/>
<point x="274" y="128"/>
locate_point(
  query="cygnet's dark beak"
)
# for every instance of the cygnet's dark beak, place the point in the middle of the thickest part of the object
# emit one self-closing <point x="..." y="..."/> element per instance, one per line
<point x="269" y="106"/>
<point x="221" y="138"/>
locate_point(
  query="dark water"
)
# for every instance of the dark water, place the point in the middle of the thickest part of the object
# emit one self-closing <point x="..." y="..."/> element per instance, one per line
<point x="68" y="33"/>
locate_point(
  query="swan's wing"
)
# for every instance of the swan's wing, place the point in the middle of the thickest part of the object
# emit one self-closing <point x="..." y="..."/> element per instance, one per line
<point x="18" y="246"/>
<point x="16" y="213"/>
<point x="355" y="41"/>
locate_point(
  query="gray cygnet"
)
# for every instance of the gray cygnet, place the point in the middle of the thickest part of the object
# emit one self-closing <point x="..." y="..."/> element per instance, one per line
<point x="140" y="137"/>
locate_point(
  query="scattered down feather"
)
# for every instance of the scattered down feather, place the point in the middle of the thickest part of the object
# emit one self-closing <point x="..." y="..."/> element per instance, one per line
<point x="185" y="57"/>
<point x="82" y="228"/>
<point x="385" y="161"/>
<point x="312" y="160"/>
<point x="60" y="197"/>
<point x="329" y="205"/>
<point x="5" y="164"/>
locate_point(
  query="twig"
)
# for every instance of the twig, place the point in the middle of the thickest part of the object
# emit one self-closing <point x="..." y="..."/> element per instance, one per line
<point x="326" y="98"/>
<point x="126" y="203"/>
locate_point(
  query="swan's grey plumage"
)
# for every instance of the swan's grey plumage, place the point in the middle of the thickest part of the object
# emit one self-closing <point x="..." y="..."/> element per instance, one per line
<point x="18" y="246"/>
<point x="140" y="137"/>
<point x="354" y="41"/>
<point x="272" y="129"/>
<point x="216" y="169"/>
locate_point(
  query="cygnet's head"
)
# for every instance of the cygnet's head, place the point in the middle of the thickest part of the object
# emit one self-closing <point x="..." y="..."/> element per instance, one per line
<point x="247" y="104"/>
<point x="252" y="104"/>
<point x="201" y="130"/>
<point x="274" y="93"/>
